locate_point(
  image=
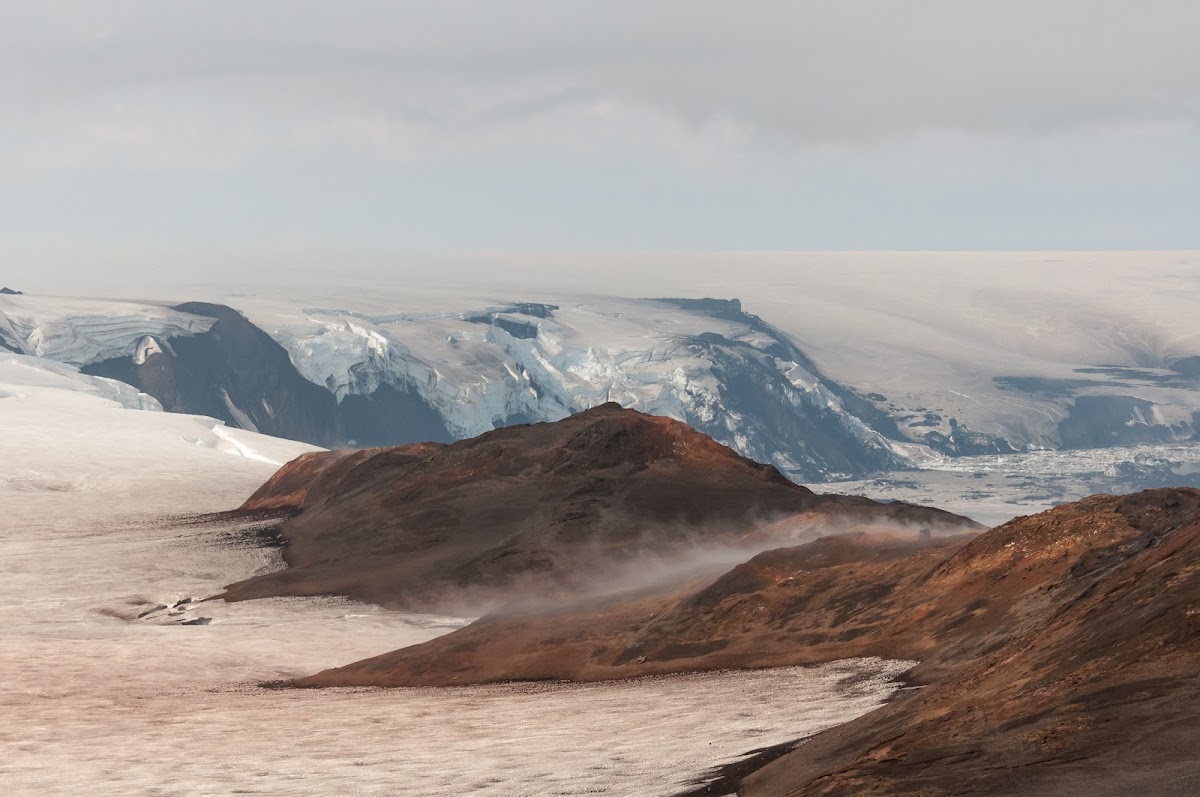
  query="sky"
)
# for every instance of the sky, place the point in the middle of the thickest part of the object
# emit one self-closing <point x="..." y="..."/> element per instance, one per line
<point x="678" y="125"/>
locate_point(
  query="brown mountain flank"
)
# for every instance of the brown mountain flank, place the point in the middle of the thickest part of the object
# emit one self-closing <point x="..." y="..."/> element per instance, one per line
<point x="1080" y="674"/>
<point x="1060" y="653"/>
<point x="801" y="605"/>
<point x="546" y="510"/>
<point x="313" y="477"/>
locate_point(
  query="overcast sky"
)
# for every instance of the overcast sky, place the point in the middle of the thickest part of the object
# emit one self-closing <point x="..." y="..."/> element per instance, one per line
<point x="556" y="124"/>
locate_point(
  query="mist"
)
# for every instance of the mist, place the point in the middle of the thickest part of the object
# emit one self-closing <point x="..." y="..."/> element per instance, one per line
<point x="669" y="560"/>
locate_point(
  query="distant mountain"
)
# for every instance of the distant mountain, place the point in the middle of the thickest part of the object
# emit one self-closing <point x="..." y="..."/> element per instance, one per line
<point x="604" y="497"/>
<point x="1059" y="653"/>
<point x="338" y="377"/>
<point x="705" y="362"/>
<point x="349" y="381"/>
<point x="7" y="291"/>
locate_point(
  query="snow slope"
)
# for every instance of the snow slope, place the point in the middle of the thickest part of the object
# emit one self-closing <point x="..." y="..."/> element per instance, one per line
<point x="965" y="353"/>
<point x="70" y="433"/>
<point x="944" y="333"/>
<point x="19" y="375"/>
<point x="712" y="365"/>
<point x="1003" y="343"/>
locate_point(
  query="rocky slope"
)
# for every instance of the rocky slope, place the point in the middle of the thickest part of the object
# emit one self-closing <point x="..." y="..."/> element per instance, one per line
<point x="1060" y="653"/>
<point x="605" y="499"/>
<point x="817" y="602"/>
<point x="1075" y="672"/>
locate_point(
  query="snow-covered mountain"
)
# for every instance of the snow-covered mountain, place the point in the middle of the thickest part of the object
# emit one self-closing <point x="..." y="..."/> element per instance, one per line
<point x="708" y="363"/>
<point x="855" y="386"/>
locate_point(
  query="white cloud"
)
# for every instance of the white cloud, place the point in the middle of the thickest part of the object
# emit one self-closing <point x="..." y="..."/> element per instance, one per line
<point x="691" y="98"/>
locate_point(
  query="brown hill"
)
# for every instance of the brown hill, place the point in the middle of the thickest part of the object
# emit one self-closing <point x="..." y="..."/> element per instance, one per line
<point x="1076" y="670"/>
<point x="598" y="500"/>
<point x="1060" y="653"/>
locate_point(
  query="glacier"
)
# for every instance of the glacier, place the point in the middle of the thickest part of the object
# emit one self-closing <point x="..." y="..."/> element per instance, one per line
<point x="83" y="331"/>
<point x="711" y="365"/>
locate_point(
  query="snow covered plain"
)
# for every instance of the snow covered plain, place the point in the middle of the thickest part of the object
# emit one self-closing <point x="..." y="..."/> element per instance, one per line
<point x="114" y="684"/>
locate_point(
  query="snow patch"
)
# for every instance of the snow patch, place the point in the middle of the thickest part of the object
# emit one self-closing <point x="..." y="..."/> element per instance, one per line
<point x="240" y="447"/>
<point x="147" y="348"/>
<point x="241" y="417"/>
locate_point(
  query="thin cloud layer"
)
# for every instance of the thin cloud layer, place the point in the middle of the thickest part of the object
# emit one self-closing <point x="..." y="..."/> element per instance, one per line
<point x="805" y="70"/>
<point x="682" y="99"/>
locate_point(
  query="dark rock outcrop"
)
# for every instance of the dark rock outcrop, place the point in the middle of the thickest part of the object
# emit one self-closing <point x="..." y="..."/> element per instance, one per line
<point x="1103" y="421"/>
<point x="237" y="373"/>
